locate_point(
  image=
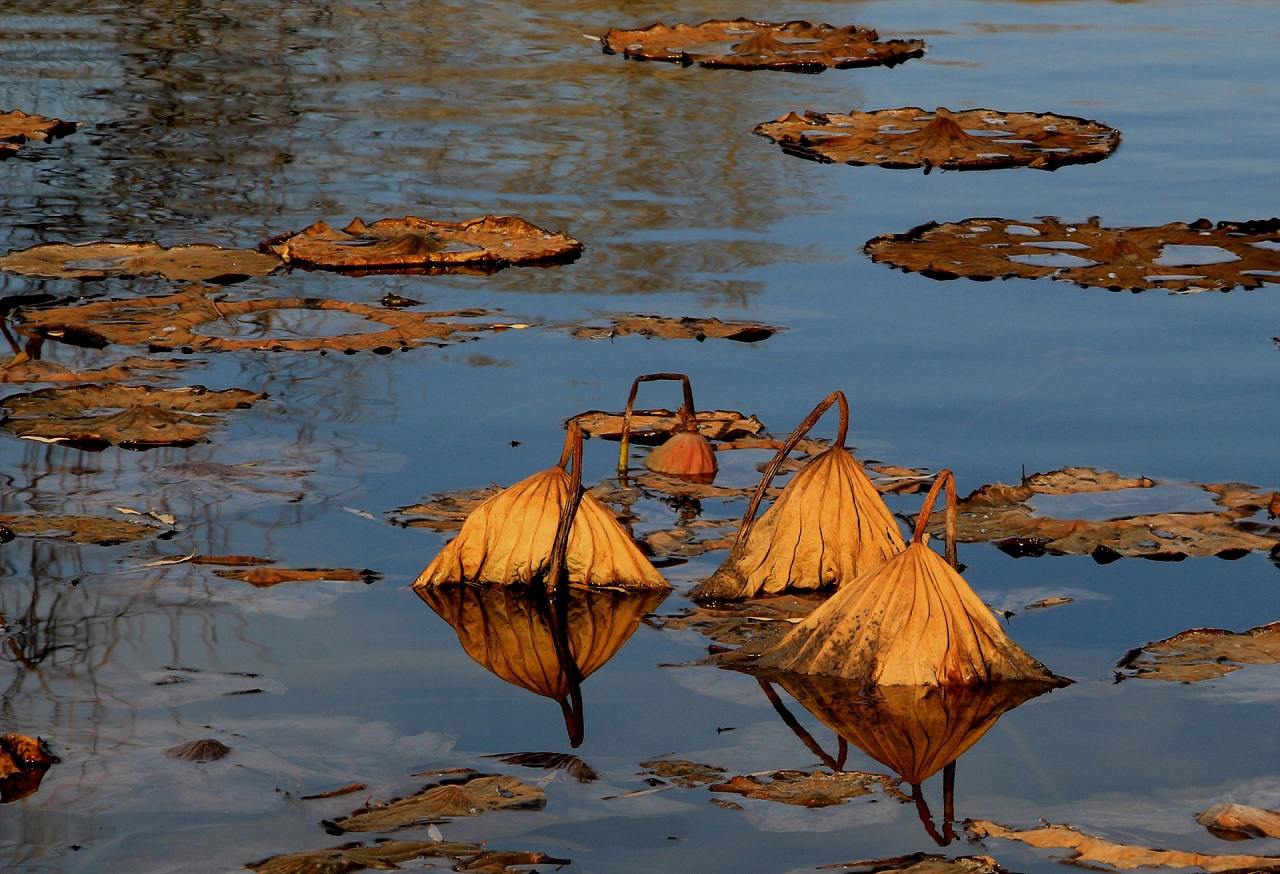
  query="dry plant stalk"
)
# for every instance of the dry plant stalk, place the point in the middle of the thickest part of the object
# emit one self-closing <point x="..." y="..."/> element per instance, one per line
<point x="913" y="621"/>
<point x="510" y="539"/>
<point x="686" y="454"/>
<point x="827" y="527"/>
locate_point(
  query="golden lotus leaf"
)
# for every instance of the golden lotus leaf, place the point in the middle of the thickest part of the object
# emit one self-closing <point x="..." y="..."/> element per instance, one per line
<point x="421" y="245"/>
<point x="17" y="127"/>
<point x="1177" y="256"/>
<point x="1236" y="822"/>
<point x="741" y="44"/>
<point x="969" y="139"/>
<point x="193" y="263"/>
<point x="1204" y="654"/>
<point x="476" y="795"/>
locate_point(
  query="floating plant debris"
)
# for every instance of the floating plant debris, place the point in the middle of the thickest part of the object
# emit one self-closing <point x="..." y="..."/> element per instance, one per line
<point x="471" y="796"/>
<point x="808" y="789"/>
<point x="22" y="368"/>
<point x="192" y="320"/>
<point x="684" y="773"/>
<point x="146" y="417"/>
<point x="16" y="128"/>
<point x="686" y="454"/>
<point x="1004" y="515"/>
<point x="23" y="763"/>
<point x="741" y="44"/>
<point x="570" y="764"/>
<point x="194" y="263"/>
<point x="266" y="577"/>
<point x="1199" y="256"/>
<point x="970" y="139"/>
<point x="508" y="539"/>
<point x="654" y="426"/>
<point x="676" y="328"/>
<point x="828" y="525"/>
<point x="755" y="623"/>
<point x="1239" y="822"/>
<point x="416" y="244"/>
<point x="386" y="856"/>
<point x="922" y="863"/>
<point x="445" y="511"/>
<point x="102" y="530"/>
<point x="205" y="750"/>
<point x="911" y="621"/>
<point x="1125" y="856"/>
<point x="1204" y="654"/>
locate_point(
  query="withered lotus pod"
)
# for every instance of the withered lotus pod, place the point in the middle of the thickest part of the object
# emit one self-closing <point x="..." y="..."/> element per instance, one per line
<point x="913" y="621"/>
<point x="687" y="454"/>
<point x="23" y="763"/>
<point x="827" y="527"/>
<point x="509" y="540"/>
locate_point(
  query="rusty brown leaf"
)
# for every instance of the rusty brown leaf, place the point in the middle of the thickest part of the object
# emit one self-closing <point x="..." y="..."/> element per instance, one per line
<point x="23" y="763"/>
<point x="183" y="321"/>
<point x="416" y="244"/>
<point x="970" y="139"/>
<point x="335" y="793"/>
<point x="1124" y="856"/>
<point x="385" y="856"/>
<point x="102" y="530"/>
<point x="504" y="862"/>
<point x="193" y="263"/>
<point x="741" y="44"/>
<point x="1204" y="654"/>
<point x="675" y="328"/>
<point x="469" y="797"/>
<point x="922" y="863"/>
<point x="653" y="426"/>
<point x="1240" y="822"/>
<point x="1113" y="258"/>
<point x="444" y="511"/>
<point x="30" y="370"/>
<point x="81" y="415"/>
<point x="684" y="773"/>
<point x="809" y="789"/>
<point x="232" y="560"/>
<point x="266" y="577"/>
<point x="16" y="128"/>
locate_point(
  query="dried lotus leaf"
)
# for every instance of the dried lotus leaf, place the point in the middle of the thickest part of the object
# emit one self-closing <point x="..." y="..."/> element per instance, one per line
<point x="676" y="328"/>
<point x="205" y="750"/>
<point x="924" y="863"/>
<point x="17" y="127"/>
<point x="193" y="263"/>
<point x="481" y="793"/>
<point x="1238" y="822"/>
<point x="102" y="530"/>
<point x="23" y="763"/>
<point x="816" y="789"/>
<point x="416" y="244"/>
<point x="652" y="426"/>
<point x="1177" y="256"/>
<point x="687" y="454"/>
<point x="30" y="370"/>
<point x="145" y="417"/>
<point x="266" y="577"/>
<point x="792" y="46"/>
<point x="969" y="139"/>
<point x="1204" y="654"/>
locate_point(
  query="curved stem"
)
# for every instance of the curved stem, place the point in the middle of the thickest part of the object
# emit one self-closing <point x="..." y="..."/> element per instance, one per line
<point x="631" y="402"/>
<point x="945" y="480"/>
<point x="798" y="729"/>
<point x="775" y="464"/>
<point x="572" y="454"/>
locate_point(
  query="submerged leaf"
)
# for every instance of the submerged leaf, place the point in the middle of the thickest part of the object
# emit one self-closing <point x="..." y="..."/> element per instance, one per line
<point x="48" y="371"/>
<point x="1124" y="856"/>
<point x="816" y="789"/>
<point x="194" y="263"/>
<point x="741" y="44"/>
<point x="473" y="796"/>
<point x="1204" y="654"/>
<point x="970" y="139"/>
<point x="416" y="244"/>
<point x="1174" y="257"/>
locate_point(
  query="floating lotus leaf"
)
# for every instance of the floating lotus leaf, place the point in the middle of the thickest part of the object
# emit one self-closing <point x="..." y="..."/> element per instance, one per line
<point x="24" y="369"/>
<point x="684" y="773"/>
<point x="1001" y="514"/>
<point x="206" y="750"/>
<point x="266" y="577"/>
<point x="415" y="244"/>
<point x="511" y="633"/>
<point x="1204" y="654"/>
<point x="570" y="764"/>
<point x="385" y="856"/>
<point x="828" y="526"/>
<point x="1239" y="822"/>
<point x="102" y="530"/>
<point x="194" y="263"/>
<point x="654" y="426"/>
<point x="473" y="796"/>
<point x="808" y="789"/>
<point x="147" y="416"/>
<point x="924" y="863"/>
<point x="1125" y="856"/>
<point x="191" y="320"/>
<point x="912" y="621"/>
<point x="676" y="328"/>
<point x="915" y="730"/>
<point x="971" y="139"/>
<point x="792" y="46"/>
<point x="23" y="763"/>
<point x="17" y="127"/>
<point x="1199" y="256"/>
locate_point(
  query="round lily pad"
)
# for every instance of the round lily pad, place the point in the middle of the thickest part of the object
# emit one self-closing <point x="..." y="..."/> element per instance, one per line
<point x="792" y="46"/>
<point x="971" y="139"/>
<point x="194" y="263"/>
<point x="414" y="244"/>
<point x="1175" y="257"/>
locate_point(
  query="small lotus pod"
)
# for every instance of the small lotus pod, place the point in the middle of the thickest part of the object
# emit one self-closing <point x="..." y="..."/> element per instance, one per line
<point x="828" y="526"/>
<point x="913" y="621"/>
<point x="687" y="455"/>
<point x="204" y="750"/>
<point x="511" y="539"/>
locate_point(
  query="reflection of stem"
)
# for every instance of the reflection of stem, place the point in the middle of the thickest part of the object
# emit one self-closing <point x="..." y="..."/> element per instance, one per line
<point x="922" y="808"/>
<point x="800" y="731"/>
<point x="949" y="801"/>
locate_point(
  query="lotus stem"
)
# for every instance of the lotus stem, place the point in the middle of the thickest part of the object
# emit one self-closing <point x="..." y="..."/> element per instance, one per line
<point x="631" y="402"/>
<point x="945" y="479"/>
<point x="776" y="462"/>
<point x="570" y="455"/>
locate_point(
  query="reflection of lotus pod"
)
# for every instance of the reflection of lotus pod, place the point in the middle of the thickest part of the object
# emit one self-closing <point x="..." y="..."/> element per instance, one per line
<point x="507" y="541"/>
<point x="916" y="731"/>
<point x="687" y="455"/>
<point x="828" y="526"/>
<point x="509" y="632"/>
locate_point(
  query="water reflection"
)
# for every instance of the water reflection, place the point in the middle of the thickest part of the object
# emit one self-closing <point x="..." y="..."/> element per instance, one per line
<point x="546" y="643"/>
<point x="917" y="731"/>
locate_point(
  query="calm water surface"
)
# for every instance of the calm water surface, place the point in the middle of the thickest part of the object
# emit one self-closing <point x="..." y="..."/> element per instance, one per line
<point x="231" y="122"/>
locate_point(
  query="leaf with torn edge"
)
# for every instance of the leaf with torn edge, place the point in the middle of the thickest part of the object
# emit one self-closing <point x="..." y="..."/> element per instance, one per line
<point x="1204" y="654"/>
<point x="472" y="796"/>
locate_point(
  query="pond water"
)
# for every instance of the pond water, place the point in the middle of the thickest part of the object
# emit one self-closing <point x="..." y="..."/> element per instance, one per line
<point x="233" y="122"/>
